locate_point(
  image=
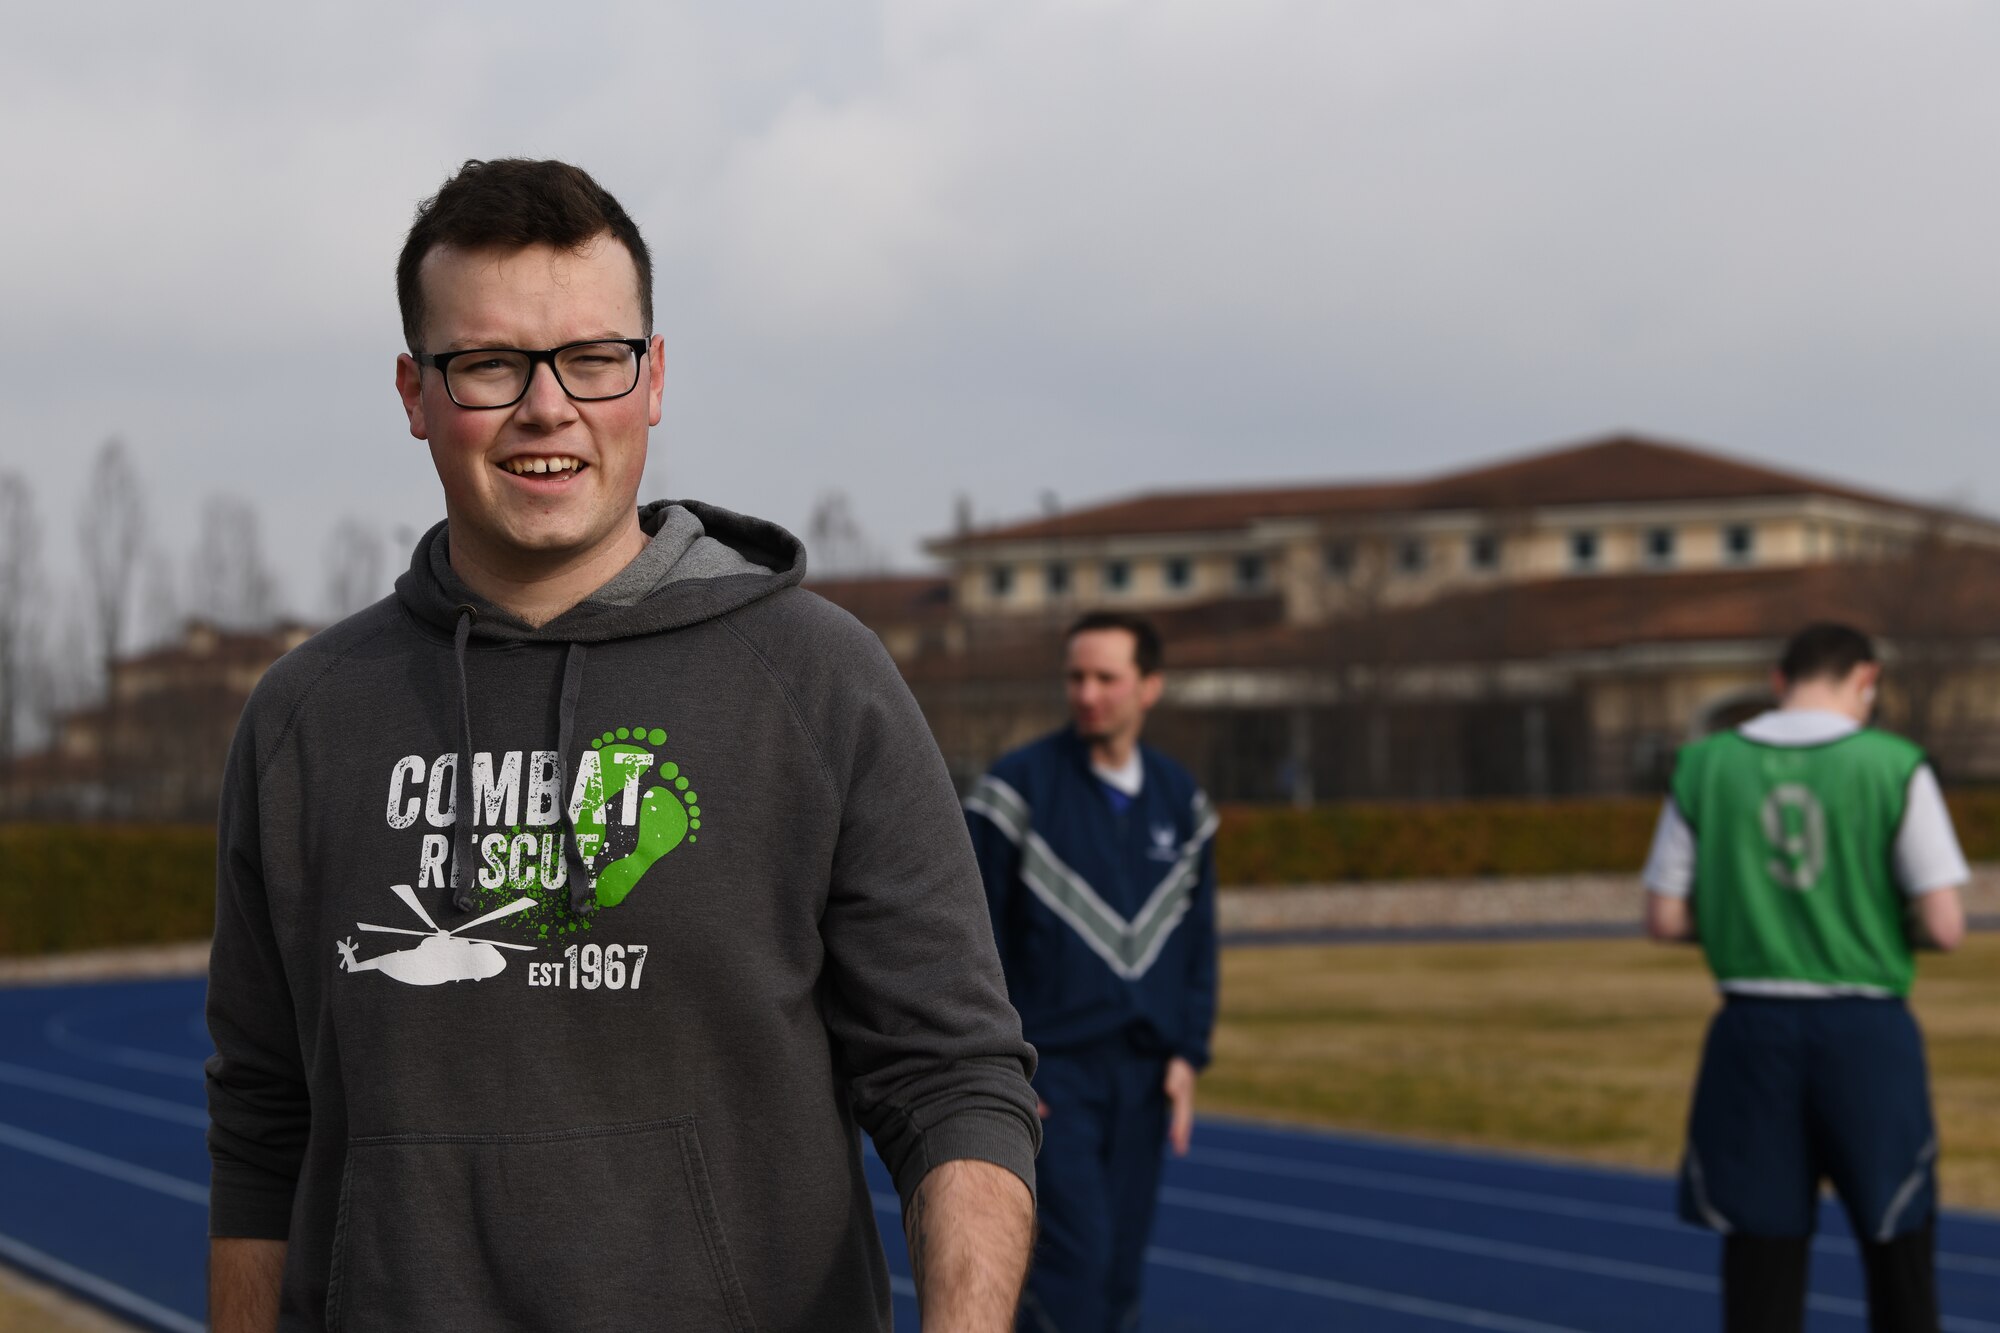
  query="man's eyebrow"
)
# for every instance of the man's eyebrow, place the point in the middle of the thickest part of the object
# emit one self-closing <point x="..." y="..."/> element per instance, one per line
<point x="499" y="344"/>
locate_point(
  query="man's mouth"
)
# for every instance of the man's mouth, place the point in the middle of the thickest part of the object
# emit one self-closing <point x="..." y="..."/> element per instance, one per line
<point x="539" y="465"/>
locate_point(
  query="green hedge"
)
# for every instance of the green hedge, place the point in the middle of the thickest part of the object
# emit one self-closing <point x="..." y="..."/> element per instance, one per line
<point x="93" y="886"/>
<point x="89" y="886"/>
<point x="1452" y="840"/>
<point x="1263" y="845"/>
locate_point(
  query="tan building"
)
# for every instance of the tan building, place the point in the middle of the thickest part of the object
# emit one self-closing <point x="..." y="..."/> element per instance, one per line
<point x="154" y="749"/>
<point x="1622" y="505"/>
<point x="1556" y="623"/>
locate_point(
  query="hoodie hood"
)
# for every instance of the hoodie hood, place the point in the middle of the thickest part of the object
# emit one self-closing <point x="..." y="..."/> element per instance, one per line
<point x="699" y="562"/>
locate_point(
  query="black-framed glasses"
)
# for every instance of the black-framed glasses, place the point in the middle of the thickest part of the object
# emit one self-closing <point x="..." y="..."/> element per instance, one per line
<point x="589" y="372"/>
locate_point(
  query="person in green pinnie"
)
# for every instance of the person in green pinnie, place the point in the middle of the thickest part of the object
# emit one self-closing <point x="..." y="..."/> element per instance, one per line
<point x="1809" y="854"/>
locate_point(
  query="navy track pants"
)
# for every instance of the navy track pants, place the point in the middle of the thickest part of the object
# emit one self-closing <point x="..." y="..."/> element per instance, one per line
<point x="1097" y="1179"/>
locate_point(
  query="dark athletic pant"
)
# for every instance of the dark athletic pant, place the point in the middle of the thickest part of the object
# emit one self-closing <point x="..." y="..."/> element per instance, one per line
<point x="1097" y="1178"/>
<point x="1793" y="1092"/>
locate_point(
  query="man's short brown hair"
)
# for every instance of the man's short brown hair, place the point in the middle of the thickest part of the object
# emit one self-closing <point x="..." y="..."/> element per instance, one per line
<point x="1825" y="651"/>
<point x="1147" y="654"/>
<point x="511" y="203"/>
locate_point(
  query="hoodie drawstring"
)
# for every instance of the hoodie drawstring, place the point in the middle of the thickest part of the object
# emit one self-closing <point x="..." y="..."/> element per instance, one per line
<point x="461" y="779"/>
<point x="582" y="892"/>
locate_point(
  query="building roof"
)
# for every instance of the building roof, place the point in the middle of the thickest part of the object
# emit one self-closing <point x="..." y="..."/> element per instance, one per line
<point x="1618" y="469"/>
<point x="888" y="599"/>
<point x="205" y="645"/>
<point x="1566" y="617"/>
<point x="1551" y="618"/>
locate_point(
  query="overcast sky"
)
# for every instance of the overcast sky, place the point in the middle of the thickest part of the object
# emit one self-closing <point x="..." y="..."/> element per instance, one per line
<point x="914" y="250"/>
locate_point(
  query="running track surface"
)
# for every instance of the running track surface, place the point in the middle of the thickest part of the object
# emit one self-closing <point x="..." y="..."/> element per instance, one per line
<point x="103" y="1190"/>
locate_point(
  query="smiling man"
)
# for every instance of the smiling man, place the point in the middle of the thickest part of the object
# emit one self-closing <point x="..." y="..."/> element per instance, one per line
<point x="1099" y="864"/>
<point x="582" y="903"/>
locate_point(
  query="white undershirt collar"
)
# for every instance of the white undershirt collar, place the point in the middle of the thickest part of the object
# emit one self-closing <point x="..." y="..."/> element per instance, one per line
<point x="1798" y="726"/>
<point x="1129" y="777"/>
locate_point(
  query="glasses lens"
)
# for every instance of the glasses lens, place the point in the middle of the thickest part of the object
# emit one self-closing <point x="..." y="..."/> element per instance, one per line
<point x="487" y="379"/>
<point x="598" y="370"/>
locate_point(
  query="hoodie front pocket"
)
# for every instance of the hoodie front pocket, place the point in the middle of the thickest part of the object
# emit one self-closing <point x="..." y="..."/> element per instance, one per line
<point x="609" y="1228"/>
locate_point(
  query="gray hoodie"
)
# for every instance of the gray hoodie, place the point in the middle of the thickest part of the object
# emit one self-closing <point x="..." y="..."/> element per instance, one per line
<point x="582" y="1033"/>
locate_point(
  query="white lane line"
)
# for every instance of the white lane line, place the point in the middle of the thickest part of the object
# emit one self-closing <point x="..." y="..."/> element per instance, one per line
<point x="1504" y="1158"/>
<point x="1507" y="1251"/>
<point x="1554" y="1205"/>
<point x="1463" y="1315"/>
<point x="56" y="1030"/>
<point x="1310" y="1286"/>
<point x="138" y="1103"/>
<point x="1429" y="1238"/>
<point x="85" y="1160"/>
<point x="109" y="1293"/>
<point x="1396" y="1182"/>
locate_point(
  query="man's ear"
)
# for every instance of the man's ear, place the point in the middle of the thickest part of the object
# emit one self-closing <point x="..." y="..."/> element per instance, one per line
<point x="410" y="387"/>
<point x="656" y="377"/>
<point x="1780" y="687"/>
<point x="1150" y="687"/>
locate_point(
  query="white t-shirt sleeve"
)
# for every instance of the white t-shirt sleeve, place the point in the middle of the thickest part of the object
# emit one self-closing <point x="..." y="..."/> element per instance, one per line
<point x="1927" y="853"/>
<point x="1670" y="867"/>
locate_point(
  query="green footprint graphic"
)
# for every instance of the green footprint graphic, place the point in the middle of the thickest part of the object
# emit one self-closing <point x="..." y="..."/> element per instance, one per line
<point x="668" y="813"/>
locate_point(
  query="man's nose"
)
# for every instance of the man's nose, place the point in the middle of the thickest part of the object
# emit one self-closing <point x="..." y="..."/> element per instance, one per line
<point x="545" y="403"/>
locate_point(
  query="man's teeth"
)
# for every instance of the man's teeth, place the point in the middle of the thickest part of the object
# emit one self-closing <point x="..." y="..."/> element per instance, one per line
<point x="523" y="466"/>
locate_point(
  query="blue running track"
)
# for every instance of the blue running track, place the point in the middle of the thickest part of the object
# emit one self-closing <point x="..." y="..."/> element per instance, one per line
<point x="103" y="1189"/>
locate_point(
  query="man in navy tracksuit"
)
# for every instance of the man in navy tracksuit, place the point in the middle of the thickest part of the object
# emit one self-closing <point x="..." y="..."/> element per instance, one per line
<point x="1099" y="864"/>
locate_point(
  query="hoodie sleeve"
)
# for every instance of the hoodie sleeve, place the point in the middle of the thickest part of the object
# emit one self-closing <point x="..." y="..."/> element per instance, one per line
<point x="258" y="1107"/>
<point x="916" y="1004"/>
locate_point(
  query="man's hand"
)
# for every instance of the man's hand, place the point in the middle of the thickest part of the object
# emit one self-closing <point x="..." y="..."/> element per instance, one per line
<point x="244" y="1278"/>
<point x="969" y="1225"/>
<point x="1937" y="920"/>
<point x="1670" y="920"/>
<point x="1180" y="1100"/>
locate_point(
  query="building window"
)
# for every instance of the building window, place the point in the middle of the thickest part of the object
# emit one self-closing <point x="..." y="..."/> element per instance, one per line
<point x="1000" y="580"/>
<point x="1412" y="555"/>
<point x="1584" y="549"/>
<point x="1057" y="575"/>
<point x="1249" y="572"/>
<point x="1178" y="573"/>
<point x="1482" y="552"/>
<point x="1340" y="560"/>
<point x="1660" y="544"/>
<point x="1739" y="543"/>
<point x="1117" y="575"/>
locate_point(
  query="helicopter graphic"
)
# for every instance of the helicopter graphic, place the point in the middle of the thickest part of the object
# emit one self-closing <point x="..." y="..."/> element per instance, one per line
<point x="442" y="956"/>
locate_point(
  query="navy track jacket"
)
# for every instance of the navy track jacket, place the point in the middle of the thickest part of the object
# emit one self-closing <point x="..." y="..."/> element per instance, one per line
<point x="1105" y="919"/>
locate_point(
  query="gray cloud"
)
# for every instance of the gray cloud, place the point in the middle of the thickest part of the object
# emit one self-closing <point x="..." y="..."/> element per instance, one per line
<point x="1003" y="248"/>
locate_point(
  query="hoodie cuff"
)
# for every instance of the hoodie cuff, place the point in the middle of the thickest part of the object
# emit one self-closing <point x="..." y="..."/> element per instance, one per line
<point x="998" y="1137"/>
<point x="249" y="1204"/>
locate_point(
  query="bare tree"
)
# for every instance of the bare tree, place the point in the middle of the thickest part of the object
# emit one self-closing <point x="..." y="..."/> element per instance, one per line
<point x="837" y="543"/>
<point x="59" y="668"/>
<point x="228" y="581"/>
<point x="111" y="528"/>
<point x="20" y="583"/>
<point x="353" y="567"/>
<point x="160" y="605"/>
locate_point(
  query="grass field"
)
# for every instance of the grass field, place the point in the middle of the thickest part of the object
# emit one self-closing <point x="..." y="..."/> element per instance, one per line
<point x="1584" y="1048"/>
